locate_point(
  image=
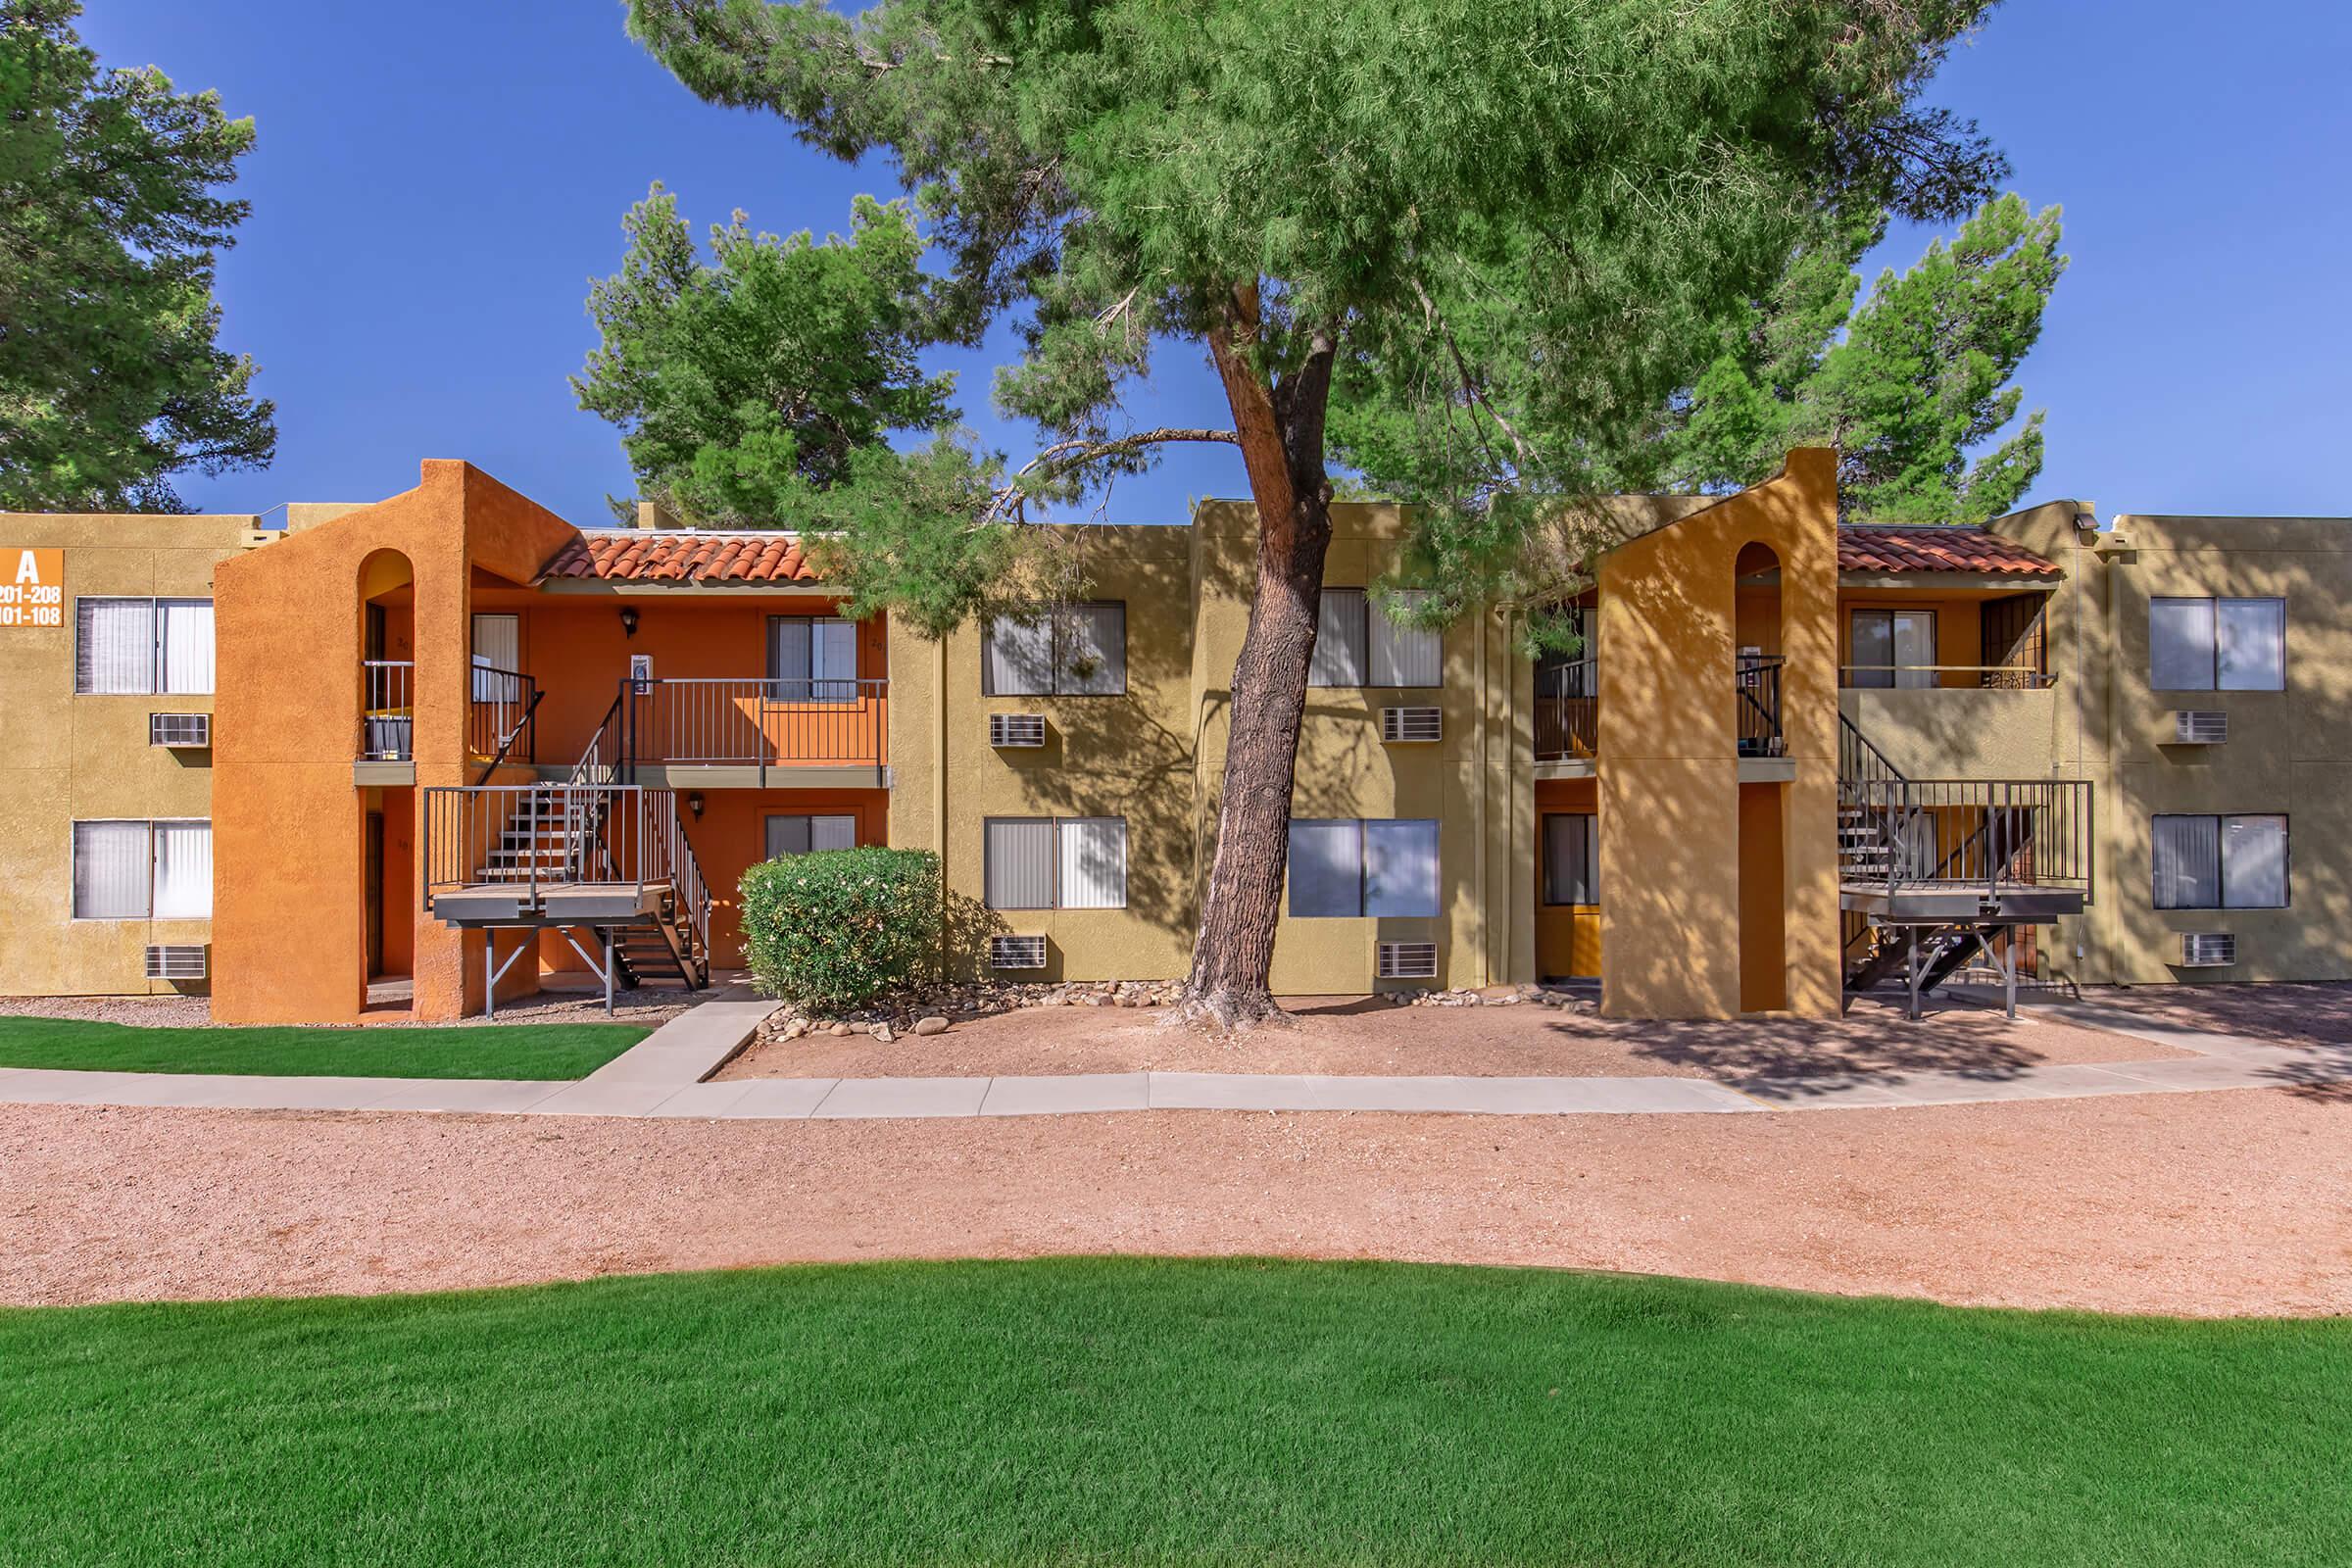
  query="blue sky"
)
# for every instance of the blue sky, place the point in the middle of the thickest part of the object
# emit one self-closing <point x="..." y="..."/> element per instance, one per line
<point x="437" y="182"/>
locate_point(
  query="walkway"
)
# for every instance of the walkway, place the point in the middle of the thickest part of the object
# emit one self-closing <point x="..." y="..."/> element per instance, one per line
<point x="662" y="1076"/>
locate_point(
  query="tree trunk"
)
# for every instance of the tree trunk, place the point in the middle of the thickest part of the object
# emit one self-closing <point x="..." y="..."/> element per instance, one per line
<point x="1280" y="422"/>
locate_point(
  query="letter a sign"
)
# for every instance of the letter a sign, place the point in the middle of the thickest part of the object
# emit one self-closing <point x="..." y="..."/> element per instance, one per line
<point x="33" y="587"/>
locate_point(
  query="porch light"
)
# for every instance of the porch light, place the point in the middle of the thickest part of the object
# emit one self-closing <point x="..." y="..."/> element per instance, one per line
<point x="629" y="620"/>
<point x="693" y="803"/>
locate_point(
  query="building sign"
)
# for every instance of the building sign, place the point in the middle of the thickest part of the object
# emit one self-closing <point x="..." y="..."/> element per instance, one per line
<point x="33" y="587"/>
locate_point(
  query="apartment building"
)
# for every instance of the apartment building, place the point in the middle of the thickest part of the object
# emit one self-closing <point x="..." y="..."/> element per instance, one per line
<point x="453" y="746"/>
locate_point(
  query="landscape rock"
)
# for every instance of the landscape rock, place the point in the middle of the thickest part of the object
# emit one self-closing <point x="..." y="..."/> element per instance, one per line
<point x="933" y="1025"/>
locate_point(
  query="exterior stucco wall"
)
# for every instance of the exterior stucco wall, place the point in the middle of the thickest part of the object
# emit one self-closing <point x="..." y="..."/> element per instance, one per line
<point x="1670" y="818"/>
<point x="288" y="822"/>
<point x="81" y="757"/>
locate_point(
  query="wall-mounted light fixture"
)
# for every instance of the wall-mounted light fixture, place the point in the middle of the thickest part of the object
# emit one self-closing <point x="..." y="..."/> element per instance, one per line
<point x="629" y="620"/>
<point x="693" y="803"/>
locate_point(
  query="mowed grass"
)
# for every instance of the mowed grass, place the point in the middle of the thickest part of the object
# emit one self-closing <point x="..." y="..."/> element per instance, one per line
<point x="1140" y="1411"/>
<point x="480" y="1051"/>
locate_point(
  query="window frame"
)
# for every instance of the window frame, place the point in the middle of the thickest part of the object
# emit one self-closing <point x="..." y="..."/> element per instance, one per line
<point x="1592" y="831"/>
<point x="1057" y="640"/>
<point x="2214" y="651"/>
<point x="1363" y="867"/>
<point x="773" y="684"/>
<point x="1369" y="616"/>
<point x="767" y="830"/>
<point x="2221" y="821"/>
<point x="1053" y="865"/>
<point x="1861" y="677"/>
<point x="148" y="825"/>
<point x="155" y="679"/>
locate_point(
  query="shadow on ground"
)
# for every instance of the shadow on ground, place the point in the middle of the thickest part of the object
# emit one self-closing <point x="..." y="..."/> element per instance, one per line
<point x="1871" y="1043"/>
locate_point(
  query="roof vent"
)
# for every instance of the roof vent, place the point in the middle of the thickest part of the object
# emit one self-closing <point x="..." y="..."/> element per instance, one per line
<point x="1016" y="952"/>
<point x="1402" y="726"/>
<point x="1406" y="960"/>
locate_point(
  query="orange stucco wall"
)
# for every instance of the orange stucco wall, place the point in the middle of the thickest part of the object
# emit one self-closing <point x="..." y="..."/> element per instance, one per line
<point x="1669" y="775"/>
<point x="1763" y="921"/>
<point x="288" y="928"/>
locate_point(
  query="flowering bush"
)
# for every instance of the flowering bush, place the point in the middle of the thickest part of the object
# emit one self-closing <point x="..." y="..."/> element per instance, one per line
<point x="838" y="927"/>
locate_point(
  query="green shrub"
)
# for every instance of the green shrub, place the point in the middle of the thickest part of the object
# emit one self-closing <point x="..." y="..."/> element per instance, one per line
<point x="838" y="928"/>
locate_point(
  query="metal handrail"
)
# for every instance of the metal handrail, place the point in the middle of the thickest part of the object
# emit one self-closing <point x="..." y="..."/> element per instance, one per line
<point x="1987" y="677"/>
<point x="1567" y="716"/>
<point x="387" y="718"/>
<point x="1998" y="832"/>
<point x="752" y="722"/>
<point x="1758" y="683"/>
<point x="489" y="732"/>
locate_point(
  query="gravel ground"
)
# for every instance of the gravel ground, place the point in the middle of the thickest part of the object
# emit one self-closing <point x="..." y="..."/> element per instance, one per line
<point x="2233" y="1202"/>
<point x="1350" y="1036"/>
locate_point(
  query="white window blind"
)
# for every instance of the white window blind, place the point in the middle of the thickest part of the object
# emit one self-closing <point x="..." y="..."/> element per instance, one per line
<point x="1339" y="655"/>
<point x="2250" y="645"/>
<point x="1092" y="650"/>
<point x="2254" y="862"/>
<point x="2180" y="645"/>
<point x="1094" y="864"/>
<point x="111" y="871"/>
<point x="1405" y="655"/>
<point x="1018" y="857"/>
<point x="1016" y="658"/>
<point x="185" y="637"/>
<point x="183" y="870"/>
<point x="1400" y="869"/>
<point x="1326" y="868"/>
<point x="114" y="645"/>
<point x="813" y="658"/>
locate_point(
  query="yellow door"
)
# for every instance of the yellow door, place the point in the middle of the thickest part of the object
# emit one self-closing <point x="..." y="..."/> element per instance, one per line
<point x="1568" y="899"/>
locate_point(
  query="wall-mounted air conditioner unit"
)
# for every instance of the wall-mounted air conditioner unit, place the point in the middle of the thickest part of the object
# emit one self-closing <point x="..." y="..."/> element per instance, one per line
<point x="2200" y="726"/>
<point x="176" y="961"/>
<point x="1401" y="727"/>
<point x="1406" y="960"/>
<point x="1016" y="729"/>
<point x="1016" y="952"/>
<point x="2207" y="950"/>
<point x="182" y="730"/>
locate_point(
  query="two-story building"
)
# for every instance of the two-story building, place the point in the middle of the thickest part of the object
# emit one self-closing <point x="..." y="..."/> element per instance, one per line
<point x="452" y="744"/>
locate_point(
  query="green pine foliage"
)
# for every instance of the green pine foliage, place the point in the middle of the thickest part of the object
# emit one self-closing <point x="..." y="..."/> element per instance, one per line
<point x="1910" y="388"/>
<point x="111" y="378"/>
<point x="837" y="928"/>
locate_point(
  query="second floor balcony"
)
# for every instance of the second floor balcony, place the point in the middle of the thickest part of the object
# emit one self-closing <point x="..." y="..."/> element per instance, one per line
<point x="792" y="726"/>
<point x="1567" y="717"/>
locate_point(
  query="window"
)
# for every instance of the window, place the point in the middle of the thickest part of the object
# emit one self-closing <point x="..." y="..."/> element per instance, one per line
<point x="798" y="835"/>
<point x="1892" y="648"/>
<point x="1570" y="859"/>
<point x="812" y="659"/>
<point x="144" y="646"/>
<point x="1069" y="651"/>
<point x="2221" y="863"/>
<point x="142" y="870"/>
<point x="1054" y="862"/>
<point x="2217" y="645"/>
<point x="1350" y="867"/>
<point x="1355" y="646"/>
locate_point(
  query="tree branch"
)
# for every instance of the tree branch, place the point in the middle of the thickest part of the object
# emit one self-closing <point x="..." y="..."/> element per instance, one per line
<point x="1064" y="456"/>
<point x="1470" y="387"/>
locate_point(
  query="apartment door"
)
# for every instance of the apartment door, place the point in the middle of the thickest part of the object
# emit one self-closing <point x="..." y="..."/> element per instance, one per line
<point x="1568" y="897"/>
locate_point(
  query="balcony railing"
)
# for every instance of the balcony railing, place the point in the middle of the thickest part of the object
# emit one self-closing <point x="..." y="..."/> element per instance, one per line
<point x="1929" y="677"/>
<point x="387" y="722"/>
<point x="501" y="717"/>
<point x="1567" y="710"/>
<point x="1996" y="834"/>
<point x="738" y="723"/>
<point x="1758" y="691"/>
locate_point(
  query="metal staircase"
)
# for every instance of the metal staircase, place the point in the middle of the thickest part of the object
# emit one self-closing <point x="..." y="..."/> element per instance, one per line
<point x="586" y="854"/>
<point x="1932" y="872"/>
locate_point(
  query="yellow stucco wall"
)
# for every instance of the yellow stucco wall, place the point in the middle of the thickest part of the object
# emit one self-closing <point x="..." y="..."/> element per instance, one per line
<point x="83" y="758"/>
<point x="1669" y="772"/>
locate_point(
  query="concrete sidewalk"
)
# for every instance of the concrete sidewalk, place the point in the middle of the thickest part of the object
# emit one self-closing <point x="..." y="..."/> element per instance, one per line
<point x="662" y="1076"/>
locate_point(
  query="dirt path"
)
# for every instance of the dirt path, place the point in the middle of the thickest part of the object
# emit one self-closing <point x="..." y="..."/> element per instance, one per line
<point x="2214" y="1203"/>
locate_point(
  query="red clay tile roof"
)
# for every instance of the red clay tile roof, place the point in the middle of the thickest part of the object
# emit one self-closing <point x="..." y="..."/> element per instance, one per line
<point x="1935" y="547"/>
<point x="635" y="555"/>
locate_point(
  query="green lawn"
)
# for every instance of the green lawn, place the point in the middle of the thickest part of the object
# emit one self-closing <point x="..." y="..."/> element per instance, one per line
<point x="480" y="1051"/>
<point x="1139" y="1411"/>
